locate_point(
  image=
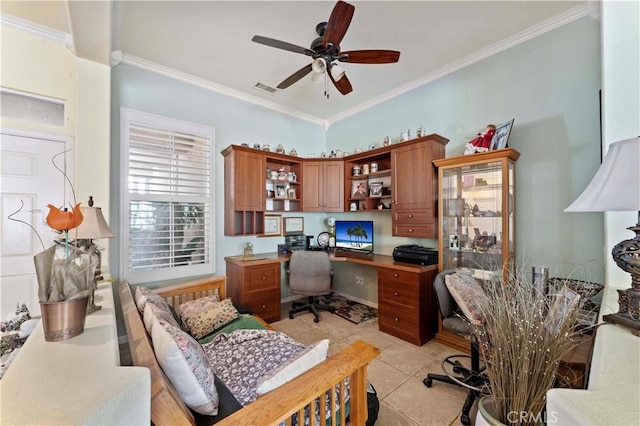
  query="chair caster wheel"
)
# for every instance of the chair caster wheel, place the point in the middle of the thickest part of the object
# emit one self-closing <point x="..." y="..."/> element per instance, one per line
<point x="465" y="420"/>
<point x="290" y="316"/>
<point x="428" y="382"/>
<point x="316" y="320"/>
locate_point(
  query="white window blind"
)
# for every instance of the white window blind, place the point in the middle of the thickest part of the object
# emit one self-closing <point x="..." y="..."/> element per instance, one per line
<point x="168" y="198"/>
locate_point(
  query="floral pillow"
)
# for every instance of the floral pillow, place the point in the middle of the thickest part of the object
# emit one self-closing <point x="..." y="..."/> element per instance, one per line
<point x="212" y="318"/>
<point x="188" y="309"/>
<point x="154" y="313"/>
<point x="184" y="362"/>
<point x="144" y="295"/>
<point x="466" y="291"/>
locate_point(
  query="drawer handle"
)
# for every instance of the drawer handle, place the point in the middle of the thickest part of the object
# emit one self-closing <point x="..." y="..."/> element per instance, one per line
<point x="410" y="230"/>
<point x="264" y="306"/>
<point x="396" y="294"/>
<point x="397" y="319"/>
<point x="410" y="216"/>
<point x="395" y="275"/>
<point x="264" y="278"/>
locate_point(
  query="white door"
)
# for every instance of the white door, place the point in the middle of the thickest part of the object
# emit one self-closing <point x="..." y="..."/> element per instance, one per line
<point x="27" y="176"/>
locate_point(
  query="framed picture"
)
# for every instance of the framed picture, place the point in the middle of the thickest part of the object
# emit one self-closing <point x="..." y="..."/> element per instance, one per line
<point x="501" y="136"/>
<point x="293" y="225"/>
<point x="375" y="189"/>
<point x="359" y="189"/>
<point x="281" y="191"/>
<point x="272" y="225"/>
<point x="291" y="193"/>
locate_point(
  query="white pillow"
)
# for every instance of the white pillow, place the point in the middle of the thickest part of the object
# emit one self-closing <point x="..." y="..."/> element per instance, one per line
<point x="153" y="314"/>
<point x="184" y="362"/>
<point x="466" y="291"/>
<point x="304" y="361"/>
<point x="144" y="295"/>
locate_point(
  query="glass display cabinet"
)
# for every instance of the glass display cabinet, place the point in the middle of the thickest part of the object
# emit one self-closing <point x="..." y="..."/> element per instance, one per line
<point x="476" y="211"/>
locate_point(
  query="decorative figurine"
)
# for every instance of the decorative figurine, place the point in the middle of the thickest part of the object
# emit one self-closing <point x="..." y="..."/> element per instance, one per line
<point x="482" y="142"/>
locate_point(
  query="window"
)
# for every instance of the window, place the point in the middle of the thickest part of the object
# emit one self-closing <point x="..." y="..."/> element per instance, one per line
<point x="167" y="189"/>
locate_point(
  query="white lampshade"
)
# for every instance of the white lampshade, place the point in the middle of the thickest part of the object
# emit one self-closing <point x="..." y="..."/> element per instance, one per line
<point x="93" y="225"/>
<point x="616" y="185"/>
<point x="337" y="72"/>
<point x="319" y="65"/>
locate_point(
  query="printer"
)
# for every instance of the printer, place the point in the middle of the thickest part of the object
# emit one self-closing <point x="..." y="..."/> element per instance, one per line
<point x="412" y="253"/>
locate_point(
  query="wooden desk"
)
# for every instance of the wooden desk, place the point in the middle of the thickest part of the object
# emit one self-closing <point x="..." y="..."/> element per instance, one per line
<point x="407" y="305"/>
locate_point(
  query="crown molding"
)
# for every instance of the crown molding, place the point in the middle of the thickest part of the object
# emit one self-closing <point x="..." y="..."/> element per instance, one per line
<point x="38" y="30"/>
<point x="121" y="57"/>
<point x="521" y="37"/>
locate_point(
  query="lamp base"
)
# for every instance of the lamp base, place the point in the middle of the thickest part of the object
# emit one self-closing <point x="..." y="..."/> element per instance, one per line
<point x="628" y="314"/>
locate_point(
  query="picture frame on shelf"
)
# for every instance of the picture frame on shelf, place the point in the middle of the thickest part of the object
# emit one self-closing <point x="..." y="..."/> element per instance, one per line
<point x="375" y="189"/>
<point x="281" y="191"/>
<point x="291" y="193"/>
<point x="293" y="225"/>
<point x="359" y="189"/>
<point x="500" y="138"/>
<point x="272" y="225"/>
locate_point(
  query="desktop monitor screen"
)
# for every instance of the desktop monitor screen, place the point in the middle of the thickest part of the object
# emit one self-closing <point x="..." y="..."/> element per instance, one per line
<point x="354" y="235"/>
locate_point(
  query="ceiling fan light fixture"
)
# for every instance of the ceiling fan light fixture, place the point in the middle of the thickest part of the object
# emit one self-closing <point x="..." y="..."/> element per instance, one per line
<point x="337" y="72"/>
<point x="319" y="66"/>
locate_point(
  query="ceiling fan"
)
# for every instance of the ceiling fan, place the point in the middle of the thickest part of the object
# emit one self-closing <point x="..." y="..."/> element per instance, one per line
<point x="325" y="51"/>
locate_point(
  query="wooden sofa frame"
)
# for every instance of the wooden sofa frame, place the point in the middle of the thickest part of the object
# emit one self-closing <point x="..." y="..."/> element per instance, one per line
<point x="273" y="408"/>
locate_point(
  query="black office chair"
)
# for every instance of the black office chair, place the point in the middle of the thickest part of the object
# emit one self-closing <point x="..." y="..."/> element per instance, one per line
<point x="310" y="274"/>
<point x="467" y="371"/>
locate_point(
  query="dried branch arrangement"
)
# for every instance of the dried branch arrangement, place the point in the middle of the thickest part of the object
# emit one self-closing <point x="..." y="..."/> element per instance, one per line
<point x="523" y="336"/>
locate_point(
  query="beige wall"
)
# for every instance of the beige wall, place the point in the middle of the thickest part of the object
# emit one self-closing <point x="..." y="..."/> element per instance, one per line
<point x="34" y="64"/>
<point x="43" y="67"/>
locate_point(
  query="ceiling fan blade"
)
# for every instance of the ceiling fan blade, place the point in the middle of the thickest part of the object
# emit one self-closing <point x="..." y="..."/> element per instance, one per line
<point x="337" y="25"/>
<point x="343" y="85"/>
<point x="369" y="56"/>
<point x="295" y="77"/>
<point x="282" y="45"/>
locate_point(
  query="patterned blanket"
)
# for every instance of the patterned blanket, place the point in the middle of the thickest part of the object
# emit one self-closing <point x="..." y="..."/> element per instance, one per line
<point x="240" y="359"/>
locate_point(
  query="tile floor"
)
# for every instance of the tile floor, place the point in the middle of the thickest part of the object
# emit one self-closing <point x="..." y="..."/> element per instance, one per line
<point x="396" y="374"/>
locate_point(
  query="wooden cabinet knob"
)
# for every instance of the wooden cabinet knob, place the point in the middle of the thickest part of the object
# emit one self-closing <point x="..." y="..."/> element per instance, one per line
<point x="397" y="319"/>
<point x="410" y="230"/>
<point x="396" y="294"/>
<point x="410" y="216"/>
<point x="264" y="306"/>
<point x="395" y="275"/>
<point x="264" y="278"/>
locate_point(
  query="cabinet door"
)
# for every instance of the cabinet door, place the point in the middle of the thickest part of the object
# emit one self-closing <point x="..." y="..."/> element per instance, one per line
<point x="249" y="181"/>
<point x="413" y="177"/>
<point x="312" y="186"/>
<point x="333" y="186"/>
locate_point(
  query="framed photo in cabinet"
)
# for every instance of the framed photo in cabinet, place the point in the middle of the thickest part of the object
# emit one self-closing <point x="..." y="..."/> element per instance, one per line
<point x="501" y="136"/>
<point x="281" y="191"/>
<point x="272" y="225"/>
<point x="359" y="189"/>
<point x="375" y="189"/>
<point x="291" y="193"/>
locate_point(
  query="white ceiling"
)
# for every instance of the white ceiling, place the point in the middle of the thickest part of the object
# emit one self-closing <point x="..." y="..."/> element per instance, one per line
<point x="209" y="42"/>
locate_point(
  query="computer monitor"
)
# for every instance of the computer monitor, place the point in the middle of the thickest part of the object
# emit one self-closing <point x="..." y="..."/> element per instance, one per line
<point x="354" y="235"/>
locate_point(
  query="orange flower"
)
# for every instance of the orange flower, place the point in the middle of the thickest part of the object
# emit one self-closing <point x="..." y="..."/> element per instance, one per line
<point x="64" y="220"/>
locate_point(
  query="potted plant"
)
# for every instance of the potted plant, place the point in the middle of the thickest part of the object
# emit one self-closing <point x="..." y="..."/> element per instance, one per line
<point x="522" y="335"/>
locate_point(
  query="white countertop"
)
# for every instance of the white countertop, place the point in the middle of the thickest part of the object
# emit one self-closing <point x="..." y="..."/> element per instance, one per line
<point x="76" y="381"/>
<point x="612" y="396"/>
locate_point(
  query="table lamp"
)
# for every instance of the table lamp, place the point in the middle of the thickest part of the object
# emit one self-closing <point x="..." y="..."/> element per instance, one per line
<point x="616" y="187"/>
<point x="93" y="227"/>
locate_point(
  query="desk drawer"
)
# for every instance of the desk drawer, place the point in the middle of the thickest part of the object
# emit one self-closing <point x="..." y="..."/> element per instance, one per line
<point x="414" y="231"/>
<point x="420" y="217"/>
<point x="400" y="323"/>
<point x="395" y="276"/>
<point x="262" y="277"/>
<point x="402" y="294"/>
<point x="265" y="304"/>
